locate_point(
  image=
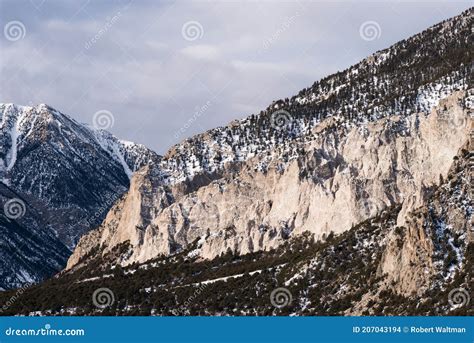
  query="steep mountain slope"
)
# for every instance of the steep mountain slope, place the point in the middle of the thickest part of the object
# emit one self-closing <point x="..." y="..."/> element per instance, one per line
<point x="409" y="77"/>
<point x="363" y="170"/>
<point x="375" y="268"/>
<point x="29" y="251"/>
<point x="70" y="174"/>
<point x="377" y="135"/>
<point x="352" y="197"/>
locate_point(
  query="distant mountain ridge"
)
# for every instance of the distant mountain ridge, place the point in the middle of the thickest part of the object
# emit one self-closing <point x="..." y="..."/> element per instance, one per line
<point x="29" y="250"/>
<point x="375" y="268"/>
<point x="364" y="167"/>
<point x="68" y="173"/>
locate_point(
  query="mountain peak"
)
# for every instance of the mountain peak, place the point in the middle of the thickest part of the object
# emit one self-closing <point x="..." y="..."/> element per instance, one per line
<point x="353" y="192"/>
<point x="69" y="172"/>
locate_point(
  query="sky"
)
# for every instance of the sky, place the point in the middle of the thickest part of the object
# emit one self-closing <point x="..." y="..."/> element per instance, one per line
<point x="157" y="72"/>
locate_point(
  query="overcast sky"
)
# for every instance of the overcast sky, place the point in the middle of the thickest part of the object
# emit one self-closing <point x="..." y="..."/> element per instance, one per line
<point x="167" y="70"/>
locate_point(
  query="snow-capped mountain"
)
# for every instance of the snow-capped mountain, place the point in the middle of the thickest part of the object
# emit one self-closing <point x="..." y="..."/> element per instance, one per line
<point x="352" y="196"/>
<point x="364" y="139"/>
<point x="69" y="173"/>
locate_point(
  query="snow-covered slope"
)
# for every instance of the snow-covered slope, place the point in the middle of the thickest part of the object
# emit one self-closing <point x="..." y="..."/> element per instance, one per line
<point x="70" y="173"/>
<point x="361" y="170"/>
<point x="369" y="161"/>
<point x="409" y="77"/>
<point x="375" y="268"/>
<point x="373" y="136"/>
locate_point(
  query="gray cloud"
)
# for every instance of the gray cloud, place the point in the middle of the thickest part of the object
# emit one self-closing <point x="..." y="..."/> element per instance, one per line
<point x="131" y="58"/>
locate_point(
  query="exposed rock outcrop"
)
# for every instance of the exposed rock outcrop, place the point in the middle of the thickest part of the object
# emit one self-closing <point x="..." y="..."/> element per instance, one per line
<point x="430" y="246"/>
<point x="339" y="178"/>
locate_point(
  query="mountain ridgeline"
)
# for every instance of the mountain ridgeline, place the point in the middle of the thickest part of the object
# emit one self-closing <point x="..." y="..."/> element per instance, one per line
<point x="352" y="197"/>
<point x="363" y="140"/>
<point x="58" y="180"/>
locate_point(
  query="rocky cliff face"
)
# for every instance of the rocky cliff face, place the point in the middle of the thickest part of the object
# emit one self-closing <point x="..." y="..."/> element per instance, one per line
<point x="362" y="170"/>
<point x="430" y="248"/>
<point x="360" y="140"/>
<point x="355" y="195"/>
<point x="374" y="268"/>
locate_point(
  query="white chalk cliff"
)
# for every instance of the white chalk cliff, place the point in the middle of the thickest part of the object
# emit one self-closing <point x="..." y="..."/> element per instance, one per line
<point x="341" y="177"/>
<point x="381" y="133"/>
